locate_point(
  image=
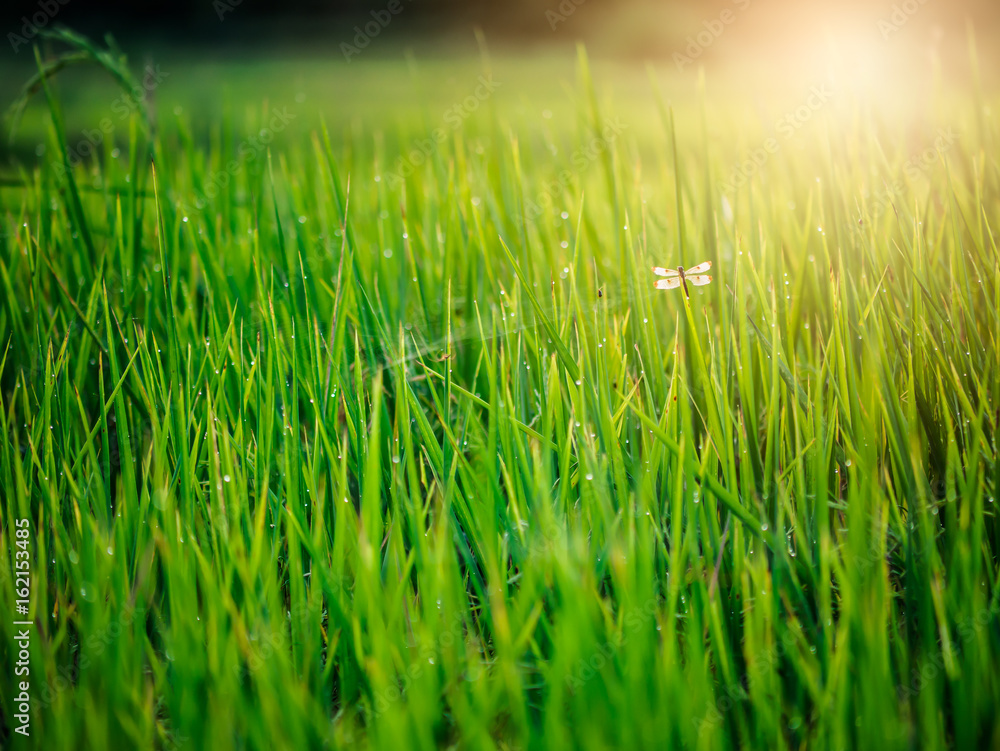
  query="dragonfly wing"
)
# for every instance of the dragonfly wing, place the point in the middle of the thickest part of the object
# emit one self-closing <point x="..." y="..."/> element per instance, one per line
<point x="660" y="271"/>
<point x="701" y="268"/>
<point x="672" y="283"/>
<point x="699" y="280"/>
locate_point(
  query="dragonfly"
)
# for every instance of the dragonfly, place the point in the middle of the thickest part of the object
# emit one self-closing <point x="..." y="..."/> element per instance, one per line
<point x="680" y="276"/>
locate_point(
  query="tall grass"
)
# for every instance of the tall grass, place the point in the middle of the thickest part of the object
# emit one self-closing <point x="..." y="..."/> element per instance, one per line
<point x="322" y="458"/>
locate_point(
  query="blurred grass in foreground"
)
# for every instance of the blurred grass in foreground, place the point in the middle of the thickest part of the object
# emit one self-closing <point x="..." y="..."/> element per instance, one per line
<point x="330" y="436"/>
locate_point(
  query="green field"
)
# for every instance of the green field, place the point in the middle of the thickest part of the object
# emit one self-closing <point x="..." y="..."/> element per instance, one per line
<point x="343" y="411"/>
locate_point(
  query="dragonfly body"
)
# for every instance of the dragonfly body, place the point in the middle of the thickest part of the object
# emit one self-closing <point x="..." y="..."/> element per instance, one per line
<point x="680" y="270"/>
<point x="680" y="276"/>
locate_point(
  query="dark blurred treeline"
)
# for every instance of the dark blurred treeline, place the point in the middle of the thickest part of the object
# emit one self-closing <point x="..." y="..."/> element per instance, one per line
<point x="639" y="29"/>
<point x="183" y="21"/>
<point x="288" y="21"/>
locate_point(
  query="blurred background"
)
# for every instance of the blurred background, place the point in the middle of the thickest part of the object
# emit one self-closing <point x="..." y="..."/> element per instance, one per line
<point x="364" y="60"/>
<point x="626" y="28"/>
